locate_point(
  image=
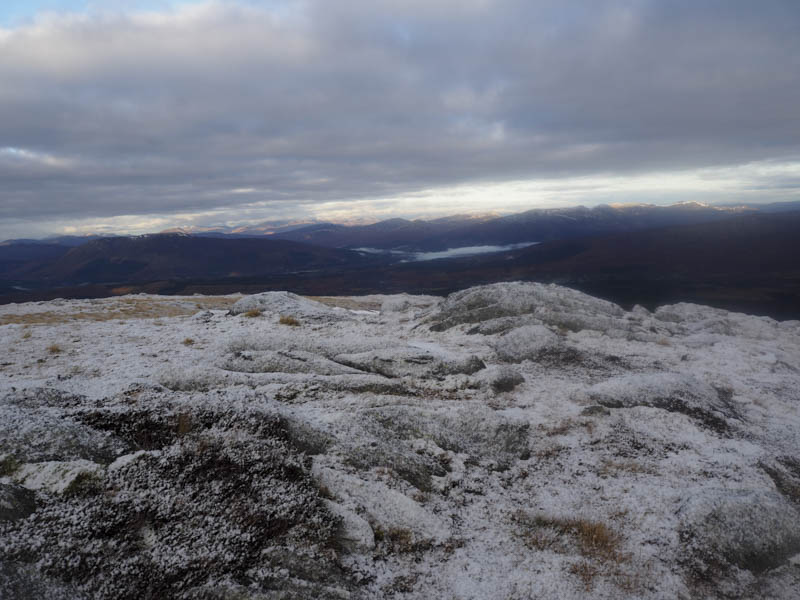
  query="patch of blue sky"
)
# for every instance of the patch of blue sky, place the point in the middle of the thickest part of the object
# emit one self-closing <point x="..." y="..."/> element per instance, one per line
<point x="15" y="13"/>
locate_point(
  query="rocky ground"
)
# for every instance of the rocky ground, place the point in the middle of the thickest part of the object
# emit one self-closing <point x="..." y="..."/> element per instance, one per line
<point x="511" y="441"/>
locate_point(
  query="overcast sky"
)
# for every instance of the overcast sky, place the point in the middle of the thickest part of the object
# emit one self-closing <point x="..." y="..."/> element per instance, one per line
<point x="137" y="116"/>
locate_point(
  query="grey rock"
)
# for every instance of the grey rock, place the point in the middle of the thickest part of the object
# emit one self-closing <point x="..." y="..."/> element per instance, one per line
<point x="16" y="502"/>
<point x="283" y="361"/>
<point x="36" y="434"/>
<point x="525" y="343"/>
<point x="672" y="392"/>
<point x="785" y="474"/>
<point x="504" y="379"/>
<point x="411" y="361"/>
<point x="591" y="411"/>
<point x="289" y="304"/>
<point x="554" y="305"/>
<point x="753" y="530"/>
<point x="476" y="431"/>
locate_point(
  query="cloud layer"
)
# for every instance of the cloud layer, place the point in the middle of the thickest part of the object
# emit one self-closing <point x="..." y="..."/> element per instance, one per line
<point x="221" y="111"/>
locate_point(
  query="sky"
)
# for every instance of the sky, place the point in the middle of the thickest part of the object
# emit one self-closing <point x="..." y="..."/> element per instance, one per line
<point x="140" y="116"/>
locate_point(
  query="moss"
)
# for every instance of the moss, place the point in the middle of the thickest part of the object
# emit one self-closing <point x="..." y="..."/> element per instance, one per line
<point x="8" y="466"/>
<point x="86" y="483"/>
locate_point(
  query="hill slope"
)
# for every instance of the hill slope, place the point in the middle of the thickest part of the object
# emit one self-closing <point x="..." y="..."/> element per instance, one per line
<point x="165" y="256"/>
<point x="509" y="441"/>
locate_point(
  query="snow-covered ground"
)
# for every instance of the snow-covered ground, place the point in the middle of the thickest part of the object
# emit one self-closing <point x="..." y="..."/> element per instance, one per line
<point x="511" y="441"/>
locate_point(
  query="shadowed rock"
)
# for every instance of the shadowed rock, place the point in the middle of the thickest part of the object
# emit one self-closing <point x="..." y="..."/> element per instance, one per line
<point x="754" y="530"/>
<point x="15" y="502"/>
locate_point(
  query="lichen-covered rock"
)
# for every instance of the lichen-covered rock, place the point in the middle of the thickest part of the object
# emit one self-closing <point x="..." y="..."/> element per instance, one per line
<point x="476" y="431"/>
<point x="354" y="533"/>
<point x="34" y="428"/>
<point x="717" y="321"/>
<point x="785" y="473"/>
<point x="554" y="305"/>
<point x="289" y="305"/>
<point x="57" y="477"/>
<point x="503" y="378"/>
<point x="283" y="361"/>
<point x="397" y="455"/>
<point x="400" y="303"/>
<point x="412" y="361"/>
<point x="711" y="407"/>
<point x="525" y="343"/>
<point x="387" y="509"/>
<point x="751" y="529"/>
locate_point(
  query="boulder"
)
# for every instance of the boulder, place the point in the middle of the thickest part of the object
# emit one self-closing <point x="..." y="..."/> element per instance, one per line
<point x="554" y="305"/>
<point x="751" y="529"/>
<point x="412" y="361"/>
<point x="289" y="305"/>
<point x="672" y="392"/>
<point x="525" y="343"/>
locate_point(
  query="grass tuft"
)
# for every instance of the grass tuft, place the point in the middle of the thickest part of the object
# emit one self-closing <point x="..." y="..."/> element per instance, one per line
<point x="586" y="572"/>
<point x="290" y="321"/>
<point x="595" y="539"/>
<point x="256" y="312"/>
<point x="8" y="466"/>
<point x="188" y="342"/>
<point x="54" y="349"/>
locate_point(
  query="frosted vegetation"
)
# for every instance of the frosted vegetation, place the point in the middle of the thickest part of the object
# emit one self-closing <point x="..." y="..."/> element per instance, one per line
<point x="511" y="441"/>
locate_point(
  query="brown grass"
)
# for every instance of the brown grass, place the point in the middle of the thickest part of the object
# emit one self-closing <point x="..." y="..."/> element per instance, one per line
<point x="123" y="308"/>
<point x="595" y="539"/>
<point x="184" y="424"/>
<point x="8" y="466"/>
<point x="188" y="342"/>
<point x="290" y="321"/>
<point x="399" y="539"/>
<point x="568" y="425"/>
<point x="347" y="302"/>
<point x="549" y="451"/>
<point x="253" y="313"/>
<point x="123" y="290"/>
<point x="586" y="572"/>
<point x="612" y="468"/>
<point x="597" y="544"/>
<point x="54" y="349"/>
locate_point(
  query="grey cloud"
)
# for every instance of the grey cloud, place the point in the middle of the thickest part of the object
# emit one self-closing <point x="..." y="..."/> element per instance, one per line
<point x="360" y="99"/>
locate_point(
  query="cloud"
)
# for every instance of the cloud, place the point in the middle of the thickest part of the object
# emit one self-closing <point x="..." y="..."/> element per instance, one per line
<point x="254" y="110"/>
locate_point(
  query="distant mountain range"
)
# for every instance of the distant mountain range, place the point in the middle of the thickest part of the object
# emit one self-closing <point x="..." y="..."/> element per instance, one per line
<point x="455" y="231"/>
<point x="741" y="257"/>
<point x="165" y="256"/>
<point x="531" y="226"/>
